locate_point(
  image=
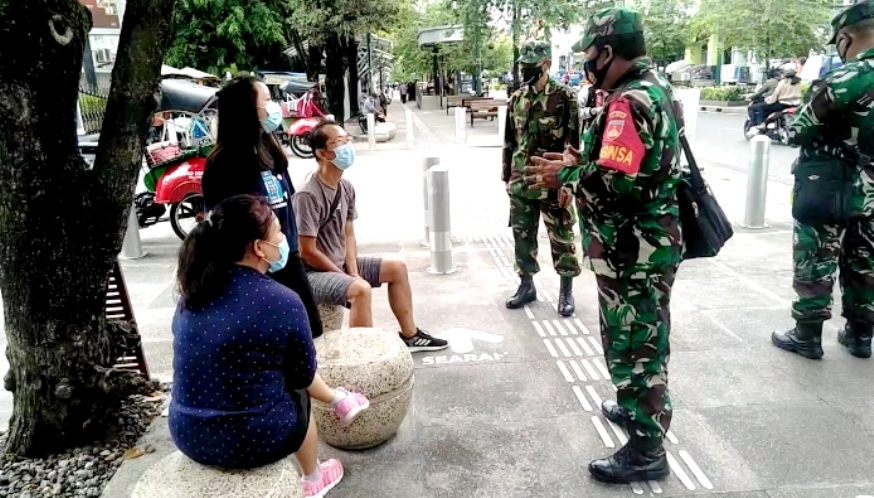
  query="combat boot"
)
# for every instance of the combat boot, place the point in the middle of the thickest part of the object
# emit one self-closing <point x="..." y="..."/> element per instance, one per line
<point x="566" y="297"/>
<point x="856" y="337"/>
<point x="805" y="340"/>
<point x="641" y="459"/>
<point x="615" y="413"/>
<point x="526" y="293"/>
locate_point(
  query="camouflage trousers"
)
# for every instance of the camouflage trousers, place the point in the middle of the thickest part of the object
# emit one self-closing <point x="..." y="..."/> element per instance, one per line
<point x="635" y="321"/>
<point x="819" y="253"/>
<point x="559" y="221"/>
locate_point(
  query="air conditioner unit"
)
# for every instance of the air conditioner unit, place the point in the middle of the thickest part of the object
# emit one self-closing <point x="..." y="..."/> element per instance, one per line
<point x="104" y="56"/>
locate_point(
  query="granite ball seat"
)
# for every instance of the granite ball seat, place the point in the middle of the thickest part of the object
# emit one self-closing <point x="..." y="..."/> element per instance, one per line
<point x="178" y="476"/>
<point x="332" y="317"/>
<point x="375" y="363"/>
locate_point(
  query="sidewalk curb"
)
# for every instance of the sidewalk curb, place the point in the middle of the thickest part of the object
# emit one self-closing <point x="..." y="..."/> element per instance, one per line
<point x="126" y="476"/>
<point x="740" y="110"/>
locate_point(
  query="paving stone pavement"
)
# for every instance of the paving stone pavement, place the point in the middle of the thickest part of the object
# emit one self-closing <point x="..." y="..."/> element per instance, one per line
<point x="511" y="410"/>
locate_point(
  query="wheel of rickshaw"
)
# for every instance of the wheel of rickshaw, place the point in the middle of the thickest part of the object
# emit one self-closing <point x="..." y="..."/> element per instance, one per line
<point x="300" y="145"/>
<point x="185" y="214"/>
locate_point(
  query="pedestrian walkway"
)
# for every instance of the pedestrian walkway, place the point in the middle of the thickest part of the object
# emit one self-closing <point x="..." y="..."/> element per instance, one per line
<point x="512" y="409"/>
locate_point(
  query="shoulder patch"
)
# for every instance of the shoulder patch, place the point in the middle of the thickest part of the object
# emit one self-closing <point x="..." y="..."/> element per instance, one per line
<point x="621" y="146"/>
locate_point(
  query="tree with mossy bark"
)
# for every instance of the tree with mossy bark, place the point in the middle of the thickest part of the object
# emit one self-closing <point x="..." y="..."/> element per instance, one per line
<point x="61" y="223"/>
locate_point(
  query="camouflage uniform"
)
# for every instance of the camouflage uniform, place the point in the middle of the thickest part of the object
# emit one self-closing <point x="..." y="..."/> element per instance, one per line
<point x="537" y="123"/>
<point x="838" y="113"/>
<point x="631" y="226"/>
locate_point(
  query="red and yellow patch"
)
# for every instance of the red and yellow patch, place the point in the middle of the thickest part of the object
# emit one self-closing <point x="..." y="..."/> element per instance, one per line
<point x="621" y="146"/>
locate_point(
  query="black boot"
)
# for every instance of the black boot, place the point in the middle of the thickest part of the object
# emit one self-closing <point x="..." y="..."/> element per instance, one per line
<point x="566" y="297"/>
<point x="856" y="337"/>
<point x="641" y="459"/>
<point x="805" y="339"/>
<point x="524" y="295"/>
<point x="615" y="413"/>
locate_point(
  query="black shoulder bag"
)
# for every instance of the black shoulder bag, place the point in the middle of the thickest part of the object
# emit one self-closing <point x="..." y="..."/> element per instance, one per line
<point x="705" y="227"/>
<point x="333" y="208"/>
<point x="823" y="190"/>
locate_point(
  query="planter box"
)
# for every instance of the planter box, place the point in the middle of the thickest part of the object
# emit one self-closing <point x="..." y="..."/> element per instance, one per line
<point x="722" y="103"/>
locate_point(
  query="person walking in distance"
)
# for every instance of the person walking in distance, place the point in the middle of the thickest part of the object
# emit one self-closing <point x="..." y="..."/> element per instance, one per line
<point x="543" y="116"/>
<point x="836" y="127"/>
<point x="628" y="173"/>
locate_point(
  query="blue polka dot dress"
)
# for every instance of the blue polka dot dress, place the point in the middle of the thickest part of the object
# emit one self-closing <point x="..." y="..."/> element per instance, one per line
<point x="237" y="364"/>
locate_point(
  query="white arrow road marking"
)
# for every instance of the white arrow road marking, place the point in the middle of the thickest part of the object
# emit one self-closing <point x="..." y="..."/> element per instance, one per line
<point x="461" y="340"/>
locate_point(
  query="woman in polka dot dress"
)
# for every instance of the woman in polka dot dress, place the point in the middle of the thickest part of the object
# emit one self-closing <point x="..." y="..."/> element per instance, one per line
<point x="244" y="361"/>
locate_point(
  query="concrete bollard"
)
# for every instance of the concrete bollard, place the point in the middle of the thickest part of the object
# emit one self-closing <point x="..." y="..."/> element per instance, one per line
<point x="502" y="122"/>
<point x="460" y="125"/>
<point x="131" y="247"/>
<point x="411" y="138"/>
<point x="439" y="221"/>
<point x="427" y="164"/>
<point x="757" y="182"/>
<point x="371" y="131"/>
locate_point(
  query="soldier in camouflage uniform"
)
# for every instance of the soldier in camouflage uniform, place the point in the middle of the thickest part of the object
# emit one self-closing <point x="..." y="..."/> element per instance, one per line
<point x="838" y="117"/>
<point x="628" y="174"/>
<point x="543" y="116"/>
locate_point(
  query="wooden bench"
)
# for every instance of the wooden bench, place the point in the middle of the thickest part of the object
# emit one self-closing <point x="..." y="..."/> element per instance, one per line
<point x="483" y="109"/>
<point x="454" y="101"/>
<point x="467" y="100"/>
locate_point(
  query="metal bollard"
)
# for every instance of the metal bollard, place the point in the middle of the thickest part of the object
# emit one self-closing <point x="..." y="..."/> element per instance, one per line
<point x="411" y="139"/>
<point x="460" y="125"/>
<point x="427" y="164"/>
<point x="131" y="248"/>
<point x="757" y="182"/>
<point x="371" y="130"/>
<point x="441" y="232"/>
<point x="502" y="121"/>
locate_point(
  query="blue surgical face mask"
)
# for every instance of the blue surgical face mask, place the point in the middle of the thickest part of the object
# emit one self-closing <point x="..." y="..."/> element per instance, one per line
<point x="284" y="250"/>
<point x="274" y="117"/>
<point x="345" y="156"/>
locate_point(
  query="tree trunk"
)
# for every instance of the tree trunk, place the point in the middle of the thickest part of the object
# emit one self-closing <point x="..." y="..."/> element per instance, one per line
<point x="314" y="62"/>
<point x="350" y="48"/>
<point x="61" y="225"/>
<point x="334" y="69"/>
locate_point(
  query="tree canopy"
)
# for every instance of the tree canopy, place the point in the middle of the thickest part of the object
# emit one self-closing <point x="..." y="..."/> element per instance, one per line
<point x="230" y="35"/>
<point x="666" y="26"/>
<point x="770" y="28"/>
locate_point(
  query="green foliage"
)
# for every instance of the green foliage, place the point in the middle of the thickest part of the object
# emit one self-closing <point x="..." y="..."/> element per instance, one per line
<point x="413" y="63"/>
<point x="667" y="25"/>
<point x="317" y="21"/>
<point x="221" y="35"/>
<point x="723" y="93"/>
<point x="805" y="87"/>
<point x="771" y="28"/>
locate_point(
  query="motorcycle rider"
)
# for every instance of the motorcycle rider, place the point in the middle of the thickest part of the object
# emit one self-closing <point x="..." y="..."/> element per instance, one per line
<point x="787" y="94"/>
<point x="767" y="88"/>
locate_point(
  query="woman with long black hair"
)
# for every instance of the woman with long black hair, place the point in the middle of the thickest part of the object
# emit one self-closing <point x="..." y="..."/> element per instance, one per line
<point x="248" y="159"/>
<point x="244" y="364"/>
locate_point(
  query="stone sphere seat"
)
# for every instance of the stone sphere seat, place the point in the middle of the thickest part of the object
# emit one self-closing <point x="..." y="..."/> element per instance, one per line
<point x="375" y="363"/>
<point x="178" y="476"/>
<point x="332" y="317"/>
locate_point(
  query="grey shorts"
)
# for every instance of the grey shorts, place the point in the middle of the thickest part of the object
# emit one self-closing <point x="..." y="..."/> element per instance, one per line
<point x="333" y="288"/>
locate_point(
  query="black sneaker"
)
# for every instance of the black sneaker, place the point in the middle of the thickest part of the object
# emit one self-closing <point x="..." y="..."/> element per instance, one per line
<point x="422" y="341"/>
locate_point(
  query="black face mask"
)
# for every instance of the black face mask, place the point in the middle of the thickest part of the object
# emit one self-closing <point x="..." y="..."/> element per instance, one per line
<point x="593" y="74"/>
<point x="530" y="75"/>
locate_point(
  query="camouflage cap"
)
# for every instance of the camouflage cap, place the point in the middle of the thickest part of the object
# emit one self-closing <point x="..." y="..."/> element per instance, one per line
<point x="534" y="52"/>
<point x="609" y="22"/>
<point x="855" y="13"/>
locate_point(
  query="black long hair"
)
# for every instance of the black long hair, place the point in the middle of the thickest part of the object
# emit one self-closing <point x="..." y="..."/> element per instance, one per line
<point x="240" y="134"/>
<point x="211" y="251"/>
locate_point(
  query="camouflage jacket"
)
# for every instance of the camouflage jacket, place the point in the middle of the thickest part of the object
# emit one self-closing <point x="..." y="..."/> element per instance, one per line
<point x="838" y="118"/>
<point x="537" y="123"/>
<point x="628" y="176"/>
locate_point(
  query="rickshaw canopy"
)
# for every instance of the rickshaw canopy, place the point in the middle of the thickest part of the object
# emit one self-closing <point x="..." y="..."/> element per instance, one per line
<point x="185" y="95"/>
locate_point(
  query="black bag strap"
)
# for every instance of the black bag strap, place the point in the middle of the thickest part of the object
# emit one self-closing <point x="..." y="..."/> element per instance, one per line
<point x="334" y="205"/>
